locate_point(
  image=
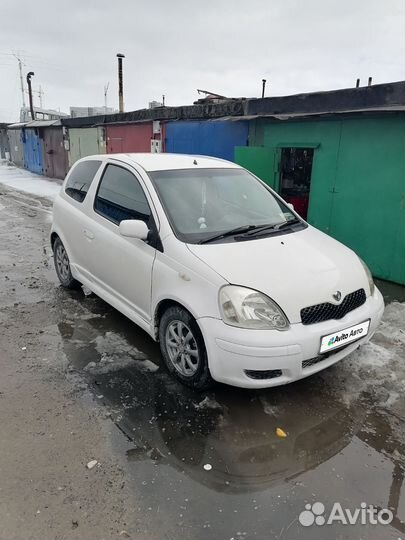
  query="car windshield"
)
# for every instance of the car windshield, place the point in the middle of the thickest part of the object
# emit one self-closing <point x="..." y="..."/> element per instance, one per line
<point x="205" y="203"/>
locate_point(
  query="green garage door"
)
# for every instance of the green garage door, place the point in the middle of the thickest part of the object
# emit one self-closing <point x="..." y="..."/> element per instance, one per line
<point x="368" y="208"/>
<point x="261" y="161"/>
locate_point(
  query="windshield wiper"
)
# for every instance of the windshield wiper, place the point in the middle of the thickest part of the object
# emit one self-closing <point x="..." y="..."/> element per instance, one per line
<point x="274" y="227"/>
<point x="231" y="232"/>
<point x="288" y="223"/>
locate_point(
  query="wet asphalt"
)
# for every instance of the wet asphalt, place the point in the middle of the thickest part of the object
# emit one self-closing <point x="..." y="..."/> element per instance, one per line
<point x="212" y="462"/>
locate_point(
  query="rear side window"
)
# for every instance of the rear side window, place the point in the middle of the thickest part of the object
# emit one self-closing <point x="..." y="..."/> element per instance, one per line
<point x="80" y="179"/>
<point x="120" y="196"/>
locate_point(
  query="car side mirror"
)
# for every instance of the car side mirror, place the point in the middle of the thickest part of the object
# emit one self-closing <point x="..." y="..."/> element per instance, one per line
<point x="290" y="205"/>
<point x="134" y="228"/>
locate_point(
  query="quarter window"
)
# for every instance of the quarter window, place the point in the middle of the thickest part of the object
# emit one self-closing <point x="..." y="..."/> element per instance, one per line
<point x="120" y="196"/>
<point x="80" y="179"/>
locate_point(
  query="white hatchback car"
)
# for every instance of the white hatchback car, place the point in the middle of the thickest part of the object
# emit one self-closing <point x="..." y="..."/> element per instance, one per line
<point x="214" y="265"/>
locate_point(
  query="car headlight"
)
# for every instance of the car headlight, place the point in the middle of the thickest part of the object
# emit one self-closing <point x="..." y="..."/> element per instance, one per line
<point x="247" y="308"/>
<point x="369" y="277"/>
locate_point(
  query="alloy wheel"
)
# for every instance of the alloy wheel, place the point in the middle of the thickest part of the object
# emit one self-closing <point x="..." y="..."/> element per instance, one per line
<point x="62" y="262"/>
<point x="182" y="348"/>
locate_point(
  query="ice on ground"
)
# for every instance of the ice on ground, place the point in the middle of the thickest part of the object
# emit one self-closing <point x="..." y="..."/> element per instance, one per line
<point x="209" y="402"/>
<point x="114" y="344"/>
<point x="268" y="408"/>
<point x="116" y="353"/>
<point x="28" y="182"/>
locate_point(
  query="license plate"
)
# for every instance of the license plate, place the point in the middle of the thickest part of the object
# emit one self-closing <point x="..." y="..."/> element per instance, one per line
<point x="343" y="337"/>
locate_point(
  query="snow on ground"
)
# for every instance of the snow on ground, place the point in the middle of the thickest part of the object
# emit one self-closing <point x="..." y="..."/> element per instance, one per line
<point x="377" y="367"/>
<point x="28" y="182"/>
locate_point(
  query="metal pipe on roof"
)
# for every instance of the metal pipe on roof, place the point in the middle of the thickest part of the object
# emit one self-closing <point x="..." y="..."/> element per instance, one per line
<point x="120" y="83"/>
<point x="29" y="75"/>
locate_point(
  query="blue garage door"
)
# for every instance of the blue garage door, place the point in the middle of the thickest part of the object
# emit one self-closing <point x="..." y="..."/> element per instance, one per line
<point x="215" y="138"/>
<point x="32" y="151"/>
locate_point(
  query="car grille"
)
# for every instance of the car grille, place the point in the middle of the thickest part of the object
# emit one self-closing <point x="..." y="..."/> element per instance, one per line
<point x="312" y="361"/>
<point x="327" y="311"/>
<point x="322" y="357"/>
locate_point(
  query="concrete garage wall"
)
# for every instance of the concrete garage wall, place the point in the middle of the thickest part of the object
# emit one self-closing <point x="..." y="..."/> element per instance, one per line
<point x="209" y="138"/>
<point x="358" y="183"/>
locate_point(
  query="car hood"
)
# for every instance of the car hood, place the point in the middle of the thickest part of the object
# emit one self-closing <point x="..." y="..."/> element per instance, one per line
<point x="296" y="270"/>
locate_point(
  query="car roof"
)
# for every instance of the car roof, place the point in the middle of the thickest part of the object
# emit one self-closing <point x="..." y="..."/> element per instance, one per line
<point x="161" y="162"/>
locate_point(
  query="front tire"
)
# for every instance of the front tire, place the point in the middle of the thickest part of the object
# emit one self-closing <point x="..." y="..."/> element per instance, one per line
<point x="183" y="349"/>
<point x="62" y="266"/>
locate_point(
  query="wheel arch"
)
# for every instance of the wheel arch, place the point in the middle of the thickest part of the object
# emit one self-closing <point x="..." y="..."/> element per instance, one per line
<point x="162" y="306"/>
<point x="57" y="234"/>
<point x="53" y="237"/>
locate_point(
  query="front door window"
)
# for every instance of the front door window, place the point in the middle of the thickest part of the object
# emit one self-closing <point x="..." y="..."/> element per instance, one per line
<point x="120" y="196"/>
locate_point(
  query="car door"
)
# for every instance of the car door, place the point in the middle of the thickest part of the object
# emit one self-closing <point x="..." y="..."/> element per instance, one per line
<point x="121" y="266"/>
<point x="70" y="215"/>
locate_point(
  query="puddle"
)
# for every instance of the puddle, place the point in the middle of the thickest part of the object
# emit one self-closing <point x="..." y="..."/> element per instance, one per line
<point x="213" y="461"/>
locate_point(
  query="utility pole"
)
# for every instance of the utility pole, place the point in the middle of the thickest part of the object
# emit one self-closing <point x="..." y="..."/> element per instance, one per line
<point x="29" y="75"/>
<point x="120" y="83"/>
<point x="105" y="97"/>
<point x="40" y="94"/>
<point x="21" y="79"/>
<point x="163" y="100"/>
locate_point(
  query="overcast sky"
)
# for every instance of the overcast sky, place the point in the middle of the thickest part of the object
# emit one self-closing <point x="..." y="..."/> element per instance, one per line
<point x="173" y="47"/>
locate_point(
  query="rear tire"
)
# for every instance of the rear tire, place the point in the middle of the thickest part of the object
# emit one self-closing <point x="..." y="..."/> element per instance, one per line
<point x="183" y="349"/>
<point x="62" y="266"/>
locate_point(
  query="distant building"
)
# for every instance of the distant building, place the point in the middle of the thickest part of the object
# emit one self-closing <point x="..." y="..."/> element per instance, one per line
<point x="41" y="114"/>
<point x="80" y="112"/>
<point x="155" y="104"/>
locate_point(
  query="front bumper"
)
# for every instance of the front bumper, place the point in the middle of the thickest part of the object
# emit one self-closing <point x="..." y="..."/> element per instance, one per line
<point x="233" y="351"/>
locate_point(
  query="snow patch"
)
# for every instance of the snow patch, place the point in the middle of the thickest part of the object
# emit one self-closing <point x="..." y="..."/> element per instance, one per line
<point x="115" y="354"/>
<point x="209" y="402"/>
<point x="28" y="182"/>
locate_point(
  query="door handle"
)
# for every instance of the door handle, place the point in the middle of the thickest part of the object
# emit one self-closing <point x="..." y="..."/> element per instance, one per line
<point x="88" y="234"/>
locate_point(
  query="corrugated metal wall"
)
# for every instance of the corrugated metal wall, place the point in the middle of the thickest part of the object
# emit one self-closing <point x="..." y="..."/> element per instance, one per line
<point x="55" y="154"/>
<point x="129" y="138"/>
<point x="209" y="138"/>
<point x="33" y="160"/>
<point x="85" y="142"/>
<point x="16" y="146"/>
